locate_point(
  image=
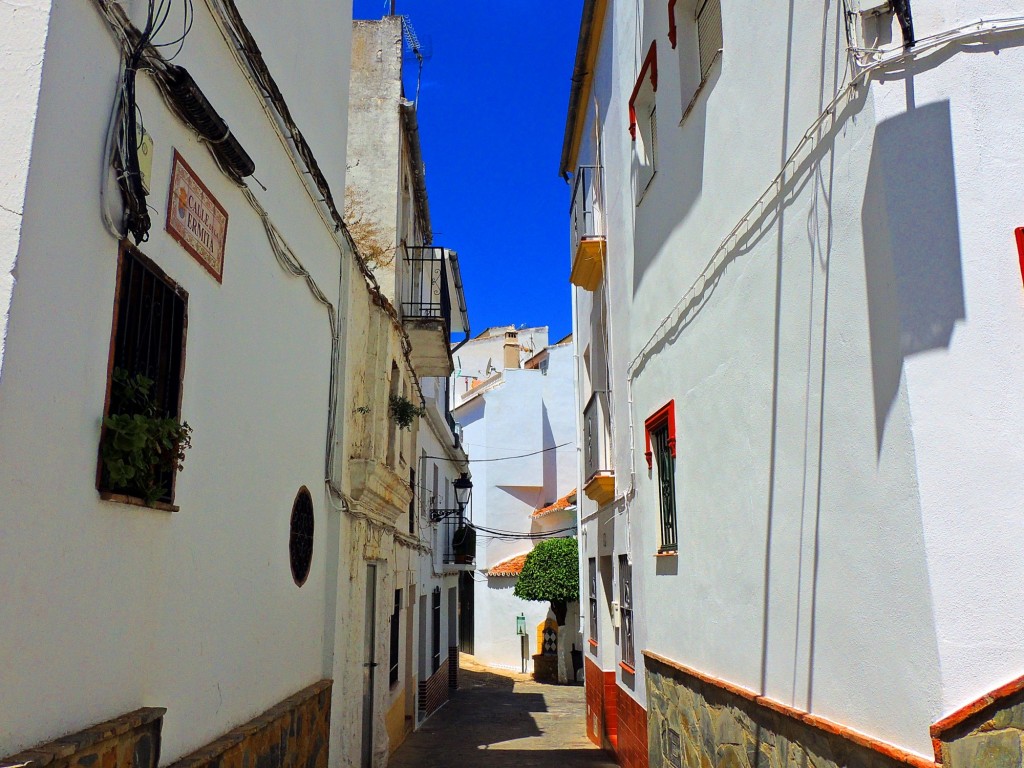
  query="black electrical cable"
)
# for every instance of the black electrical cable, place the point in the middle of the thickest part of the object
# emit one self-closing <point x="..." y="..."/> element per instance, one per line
<point x="506" y="458"/>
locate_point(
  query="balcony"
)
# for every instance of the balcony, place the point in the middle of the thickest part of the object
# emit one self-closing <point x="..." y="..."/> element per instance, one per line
<point x="459" y="539"/>
<point x="599" y="483"/>
<point x="588" y="236"/>
<point x="430" y="284"/>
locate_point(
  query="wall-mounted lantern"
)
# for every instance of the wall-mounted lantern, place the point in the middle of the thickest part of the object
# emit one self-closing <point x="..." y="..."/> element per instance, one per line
<point x="463" y="492"/>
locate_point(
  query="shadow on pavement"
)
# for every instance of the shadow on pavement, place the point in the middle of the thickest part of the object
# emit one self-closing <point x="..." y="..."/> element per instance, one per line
<point x="495" y="721"/>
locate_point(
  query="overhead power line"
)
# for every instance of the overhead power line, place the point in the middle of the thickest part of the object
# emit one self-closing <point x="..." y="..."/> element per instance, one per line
<point x="506" y="458"/>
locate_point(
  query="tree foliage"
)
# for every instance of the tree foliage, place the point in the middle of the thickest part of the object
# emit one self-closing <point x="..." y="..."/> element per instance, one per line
<point x="551" y="572"/>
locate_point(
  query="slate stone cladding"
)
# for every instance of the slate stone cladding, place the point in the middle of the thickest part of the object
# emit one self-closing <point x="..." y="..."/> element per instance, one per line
<point x="129" y="741"/>
<point x="988" y="733"/>
<point x="291" y="734"/>
<point x="433" y="692"/>
<point x="696" y="721"/>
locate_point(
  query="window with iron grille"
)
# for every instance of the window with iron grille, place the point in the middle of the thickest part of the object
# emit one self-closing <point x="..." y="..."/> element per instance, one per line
<point x="396" y="619"/>
<point x="592" y="574"/>
<point x="660" y="440"/>
<point x="300" y="537"/>
<point x="147" y="349"/>
<point x="665" y="470"/>
<point x="626" y="610"/>
<point x="435" y="611"/>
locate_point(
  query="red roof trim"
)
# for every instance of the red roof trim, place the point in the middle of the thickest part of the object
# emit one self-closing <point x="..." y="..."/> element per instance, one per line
<point x="511" y="567"/>
<point x="664" y="416"/>
<point x="651" y="66"/>
<point x="563" y="503"/>
<point x="955" y="718"/>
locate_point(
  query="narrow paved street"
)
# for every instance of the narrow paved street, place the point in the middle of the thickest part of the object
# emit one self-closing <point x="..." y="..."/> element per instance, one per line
<point x="500" y="719"/>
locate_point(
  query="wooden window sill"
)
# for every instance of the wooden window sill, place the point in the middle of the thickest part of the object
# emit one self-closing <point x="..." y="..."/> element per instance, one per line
<point x="669" y="553"/>
<point x="592" y="643"/>
<point x="627" y="668"/>
<point x="135" y="501"/>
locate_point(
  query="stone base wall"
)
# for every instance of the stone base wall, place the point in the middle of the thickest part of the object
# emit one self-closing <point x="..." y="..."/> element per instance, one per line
<point x="129" y="741"/>
<point x="694" y="720"/>
<point x="433" y="692"/>
<point x="988" y="733"/>
<point x="292" y="734"/>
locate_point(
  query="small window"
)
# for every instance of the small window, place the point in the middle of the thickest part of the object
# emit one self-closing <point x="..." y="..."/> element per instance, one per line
<point x="147" y="358"/>
<point x="643" y="123"/>
<point x="435" y="611"/>
<point x="412" y="501"/>
<point x="709" y="34"/>
<point x="396" y="618"/>
<point x="660" y="438"/>
<point x="626" y="610"/>
<point x="695" y="31"/>
<point x="592" y="573"/>
<point x="300" y="540"/>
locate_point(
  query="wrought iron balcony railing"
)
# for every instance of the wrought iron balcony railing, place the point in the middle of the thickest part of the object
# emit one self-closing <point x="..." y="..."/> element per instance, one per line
<point x="459" y="539"/>
<point x="425" y="291"/>
<point x="596" y="432"/>
<point x="587" y="206"/>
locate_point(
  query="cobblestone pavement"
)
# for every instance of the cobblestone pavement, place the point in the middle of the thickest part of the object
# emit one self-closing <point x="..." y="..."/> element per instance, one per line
<point x="500" y="719"/>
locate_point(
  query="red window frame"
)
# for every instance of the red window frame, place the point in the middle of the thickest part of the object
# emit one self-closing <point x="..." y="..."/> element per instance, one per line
<point x="664" y="416"/>
<point x="649" y="68"/>
<point x="672" y="32"/>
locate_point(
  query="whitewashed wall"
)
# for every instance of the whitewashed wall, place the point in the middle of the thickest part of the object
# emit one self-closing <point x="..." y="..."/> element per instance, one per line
<point x="845" y="394"/>
<point x="527" y="411"/>
<point x="109" y="607"/>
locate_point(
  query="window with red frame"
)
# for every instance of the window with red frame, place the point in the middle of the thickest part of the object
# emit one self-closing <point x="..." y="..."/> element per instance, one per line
<point x="695" y="32"/>
<point x="643" y="123"/>
<point x="660" y="438"/>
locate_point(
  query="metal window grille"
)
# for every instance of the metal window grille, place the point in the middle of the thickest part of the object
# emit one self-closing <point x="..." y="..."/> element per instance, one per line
<point x="709" y="33"/>
<point x="652" y="151"/>
<point x="149" y="339"/>
<point x="666" y="464"/>
<point x="592" y="568"/>
<point x="300" y="539"/>
<point x="626" y="609"/>
<point x="435" y="610"/>
<point x="396" y="619"/>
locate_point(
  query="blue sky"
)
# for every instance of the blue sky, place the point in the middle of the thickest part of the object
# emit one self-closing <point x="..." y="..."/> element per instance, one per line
<point x="492" y="114"/>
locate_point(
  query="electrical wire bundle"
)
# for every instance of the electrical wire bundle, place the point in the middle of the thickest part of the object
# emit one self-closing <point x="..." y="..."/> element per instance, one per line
<point x="124" y="134"/>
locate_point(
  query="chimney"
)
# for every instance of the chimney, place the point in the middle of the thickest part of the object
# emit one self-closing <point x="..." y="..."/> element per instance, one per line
<point x="511" y="349"/>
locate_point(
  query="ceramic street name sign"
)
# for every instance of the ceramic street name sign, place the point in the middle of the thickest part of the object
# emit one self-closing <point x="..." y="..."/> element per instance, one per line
<point x="195" y="218"/>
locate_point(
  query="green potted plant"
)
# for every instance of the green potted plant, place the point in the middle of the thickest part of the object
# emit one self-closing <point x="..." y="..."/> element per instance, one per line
<point x="141" y="449"/>
<point x="403" y="411"/>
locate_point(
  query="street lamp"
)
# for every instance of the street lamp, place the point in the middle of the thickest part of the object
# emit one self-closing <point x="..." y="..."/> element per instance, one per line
<point x="463" y="490"/>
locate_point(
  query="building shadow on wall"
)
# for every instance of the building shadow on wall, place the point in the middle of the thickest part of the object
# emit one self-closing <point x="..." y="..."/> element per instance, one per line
<point x="684" y="169"/>
<point x="912" y="259"/>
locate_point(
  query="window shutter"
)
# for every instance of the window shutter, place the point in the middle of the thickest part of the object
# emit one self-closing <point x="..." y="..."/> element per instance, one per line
<point x="709" y="33"/>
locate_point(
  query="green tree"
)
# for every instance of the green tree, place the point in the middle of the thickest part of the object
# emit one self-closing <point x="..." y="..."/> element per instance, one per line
<point x="552" y="573"/>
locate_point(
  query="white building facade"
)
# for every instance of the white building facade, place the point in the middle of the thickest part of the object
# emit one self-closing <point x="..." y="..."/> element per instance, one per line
<point x="414" y="535"/>
<point x="516" y="413"/>
<point x="797" y="298"/>
<point x="172" y="614"/>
